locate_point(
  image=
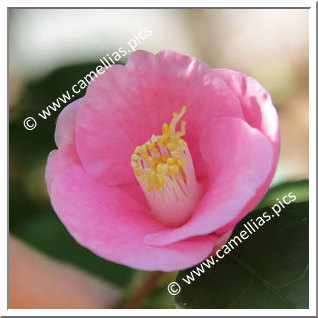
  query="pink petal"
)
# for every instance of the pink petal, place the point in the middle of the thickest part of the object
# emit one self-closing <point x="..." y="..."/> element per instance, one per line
<point x="66" y="155"/>
<point x="65" y="125"/>
<point x="239" y="158"/>
<point x="57" y="161"/>
<point x="256" y="103"/>
<point x="112" y="224"/>
<point x="260" y="113"/>
<point x="126" y="105"/>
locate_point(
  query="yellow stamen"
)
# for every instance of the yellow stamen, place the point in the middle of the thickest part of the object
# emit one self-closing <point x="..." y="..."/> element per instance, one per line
<point x="171" y="146"/>
<point x="174" y="169"/>
<point x="181" y="162"/>
<point x="161" y="156"/>
<point x="170" y="161"/>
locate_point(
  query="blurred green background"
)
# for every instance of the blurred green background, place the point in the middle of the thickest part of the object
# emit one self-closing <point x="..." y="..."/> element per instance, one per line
<point x="51" y="49"/>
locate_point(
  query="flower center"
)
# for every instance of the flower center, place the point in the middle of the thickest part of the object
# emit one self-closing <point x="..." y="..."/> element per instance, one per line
<point x="164" y="169"/>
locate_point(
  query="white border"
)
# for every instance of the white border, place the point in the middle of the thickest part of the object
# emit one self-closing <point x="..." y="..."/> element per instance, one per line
<point x="312" y="163"/>
<point x="162" y="3"/>
<point x="312" y="159"/>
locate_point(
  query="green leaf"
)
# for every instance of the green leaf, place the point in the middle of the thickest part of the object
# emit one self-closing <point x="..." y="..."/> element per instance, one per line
<point x="269" y="269"/>
<point x="299" y="188"/>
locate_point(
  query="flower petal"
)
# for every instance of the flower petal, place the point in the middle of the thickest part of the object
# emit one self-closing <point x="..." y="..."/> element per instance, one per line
<point x="256" y="103"/>
<point x="112" y="224"/>
<point x="125" y="106"/>
<point x="66" y="155"/>
<point x="239" y="158"/>
<point x="57" y="161"/>
<point x="65" y="125"/>
<point x="260" y="113"/>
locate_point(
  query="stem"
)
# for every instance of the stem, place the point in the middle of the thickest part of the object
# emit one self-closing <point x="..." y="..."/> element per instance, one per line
<point x="135" y="300"/>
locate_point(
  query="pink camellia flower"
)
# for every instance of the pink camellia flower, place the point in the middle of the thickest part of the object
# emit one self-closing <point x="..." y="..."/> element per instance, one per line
<point x="161" y="159"/>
